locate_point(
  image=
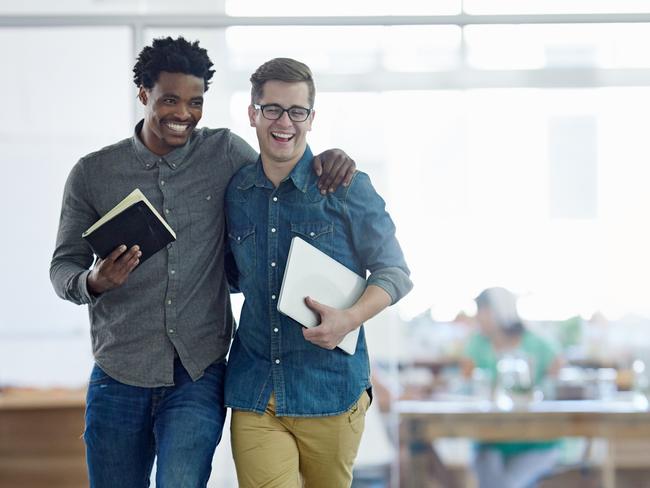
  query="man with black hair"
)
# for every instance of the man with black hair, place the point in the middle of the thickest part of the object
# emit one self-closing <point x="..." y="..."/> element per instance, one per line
<point x="160" y="333"/>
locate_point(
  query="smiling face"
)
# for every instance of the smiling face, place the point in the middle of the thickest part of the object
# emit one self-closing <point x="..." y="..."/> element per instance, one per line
<point x="282" y="141"/>
<point x="173" y="108"/>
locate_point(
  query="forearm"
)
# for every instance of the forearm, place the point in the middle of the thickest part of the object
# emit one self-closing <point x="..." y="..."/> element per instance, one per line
<point x="374" y="300"/>
<point x="393" y="280"/>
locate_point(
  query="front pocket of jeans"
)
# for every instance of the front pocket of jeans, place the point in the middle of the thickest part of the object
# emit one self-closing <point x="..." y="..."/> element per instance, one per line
<point x="357" y="414"/>
<point x="97" y="376"/>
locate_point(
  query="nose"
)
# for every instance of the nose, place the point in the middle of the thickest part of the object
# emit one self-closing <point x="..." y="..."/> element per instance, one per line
<point x="284" y="119"/>
<point x="182" y="111"/>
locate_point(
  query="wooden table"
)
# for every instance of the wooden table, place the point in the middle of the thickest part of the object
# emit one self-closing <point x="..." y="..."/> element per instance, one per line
<point x="422" y="422"/>
<point x="40" y="439"/>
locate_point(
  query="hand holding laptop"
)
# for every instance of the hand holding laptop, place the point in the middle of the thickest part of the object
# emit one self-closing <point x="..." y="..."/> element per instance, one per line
<point x="334" y="325"/>
<point x="312" y="273"/>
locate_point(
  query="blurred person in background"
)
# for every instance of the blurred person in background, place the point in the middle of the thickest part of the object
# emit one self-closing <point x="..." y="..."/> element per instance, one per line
<point x="503" y="340"/>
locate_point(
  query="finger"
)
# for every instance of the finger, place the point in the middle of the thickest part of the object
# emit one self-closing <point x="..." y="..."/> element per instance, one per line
<point x="317" y="341"/>
<point x="315" y="306"/>
<point x="308" y="334"/>
<point x="329" y="175"/>
<point x="318" y="166"/>
<point x="133" y="262"/>
<point x="314" y="333"/>
<point x="122" y="266"/>
<point x="323" y="181"/>
<point x="350" y="174"/>
<point x="339" y="175"/>
<point x="116" y="253"/>
<point x="127" y="256"/>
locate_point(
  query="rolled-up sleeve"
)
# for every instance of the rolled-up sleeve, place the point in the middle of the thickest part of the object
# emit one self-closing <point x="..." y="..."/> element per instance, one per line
<point x="373" y="236"/>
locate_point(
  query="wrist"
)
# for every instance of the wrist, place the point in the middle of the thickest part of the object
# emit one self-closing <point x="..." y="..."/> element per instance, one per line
<point x="353" y="319"/>
<point x="92" y="285"/>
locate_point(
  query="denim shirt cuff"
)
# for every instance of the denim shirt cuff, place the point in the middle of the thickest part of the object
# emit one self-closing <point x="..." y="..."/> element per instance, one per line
<point x="393" y="281"/>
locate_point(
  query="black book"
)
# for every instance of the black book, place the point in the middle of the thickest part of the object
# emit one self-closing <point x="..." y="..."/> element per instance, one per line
<point x="132" y="221"/>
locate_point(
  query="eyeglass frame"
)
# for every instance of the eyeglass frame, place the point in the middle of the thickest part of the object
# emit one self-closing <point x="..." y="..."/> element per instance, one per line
<point x="257" y="106"/>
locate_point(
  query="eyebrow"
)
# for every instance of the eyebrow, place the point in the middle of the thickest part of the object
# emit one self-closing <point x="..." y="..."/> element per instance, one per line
<point x="171" y="95"/>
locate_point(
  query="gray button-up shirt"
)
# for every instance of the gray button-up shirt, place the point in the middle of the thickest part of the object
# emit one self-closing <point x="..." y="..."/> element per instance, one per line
<point x="178" y="299"/>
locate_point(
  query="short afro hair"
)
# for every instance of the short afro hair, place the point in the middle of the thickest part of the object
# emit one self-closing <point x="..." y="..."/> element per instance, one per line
<point x="172" y="56"/>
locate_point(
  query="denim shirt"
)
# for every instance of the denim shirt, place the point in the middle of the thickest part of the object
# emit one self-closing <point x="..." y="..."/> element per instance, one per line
<point x="269" y="353"/>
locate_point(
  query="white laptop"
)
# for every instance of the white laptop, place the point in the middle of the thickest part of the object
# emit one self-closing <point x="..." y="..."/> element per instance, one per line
<point x="311" y="272"/>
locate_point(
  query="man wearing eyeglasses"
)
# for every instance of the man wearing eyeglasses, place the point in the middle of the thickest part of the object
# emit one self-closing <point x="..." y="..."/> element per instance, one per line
<point x="299" y="402"/>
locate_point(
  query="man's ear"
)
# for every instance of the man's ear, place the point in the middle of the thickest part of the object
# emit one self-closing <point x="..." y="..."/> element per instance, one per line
<point x="142" y="95"/>
<point x="251" y="115"/>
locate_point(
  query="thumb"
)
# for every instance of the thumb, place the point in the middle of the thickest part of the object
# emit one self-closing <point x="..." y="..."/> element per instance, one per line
<point x="315" y="306"/>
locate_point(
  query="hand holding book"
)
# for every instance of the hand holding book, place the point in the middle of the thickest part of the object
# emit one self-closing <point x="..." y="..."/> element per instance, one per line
<point x="113" y="271"/>
<point x="130" y="233"/>
<point x="133" y="221"/>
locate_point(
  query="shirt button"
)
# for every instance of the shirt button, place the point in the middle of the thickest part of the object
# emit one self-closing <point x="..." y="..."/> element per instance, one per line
<point x="311" y="234"/>
<point x="275" y="199"/>
<point x="275" y="329"/>
<point x="169" y="302"/>
<point x="167" y="210"/>
<point x="239" y="238"/>
<point x="277" y="361"/>
<point x="173" y="271"/>
<point x="272" y="297"/>
<point x="273" y="264"/>
<point x="171" y="331"/>
<point x="162" y="182"/>
<point x="272" y="229"/>
<point x="173" y="165"/>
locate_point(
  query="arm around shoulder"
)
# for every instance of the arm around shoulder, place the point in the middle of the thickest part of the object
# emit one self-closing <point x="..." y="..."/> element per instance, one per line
<point x="240" y="152"/>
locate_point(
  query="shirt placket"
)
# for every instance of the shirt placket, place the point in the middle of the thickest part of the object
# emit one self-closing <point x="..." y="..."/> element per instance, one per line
<point x="274" y="288"/>
<point x="165" y="180"/>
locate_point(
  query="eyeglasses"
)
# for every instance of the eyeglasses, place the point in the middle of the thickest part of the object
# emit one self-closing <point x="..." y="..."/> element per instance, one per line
<point x="273" y="111"/>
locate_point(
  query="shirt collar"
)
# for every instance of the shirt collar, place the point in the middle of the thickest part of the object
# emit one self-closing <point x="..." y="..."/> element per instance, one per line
<point x="149" y="160"/>
<point x="299" y="174"/>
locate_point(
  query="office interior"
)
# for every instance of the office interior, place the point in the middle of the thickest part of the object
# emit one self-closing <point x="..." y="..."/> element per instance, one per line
<point x="509" y="140"/>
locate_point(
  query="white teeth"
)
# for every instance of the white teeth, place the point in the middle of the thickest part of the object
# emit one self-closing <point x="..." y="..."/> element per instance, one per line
<point x="177" y="127"/>
<point x="282" y="135"/>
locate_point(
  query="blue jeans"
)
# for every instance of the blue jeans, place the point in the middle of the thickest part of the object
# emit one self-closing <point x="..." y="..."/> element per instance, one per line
<point x="128" y="426"/>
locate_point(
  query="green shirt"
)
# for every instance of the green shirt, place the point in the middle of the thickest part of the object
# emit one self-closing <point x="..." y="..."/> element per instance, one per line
<point x="480" y="350"/>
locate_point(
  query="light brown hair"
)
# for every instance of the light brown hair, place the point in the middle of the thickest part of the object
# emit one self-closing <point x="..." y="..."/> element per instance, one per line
<point x="282" y="69"/>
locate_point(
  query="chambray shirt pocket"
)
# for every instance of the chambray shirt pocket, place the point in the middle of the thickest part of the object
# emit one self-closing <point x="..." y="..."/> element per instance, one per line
<point x="319" y="234"/>
<point x="242" y="244"/>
